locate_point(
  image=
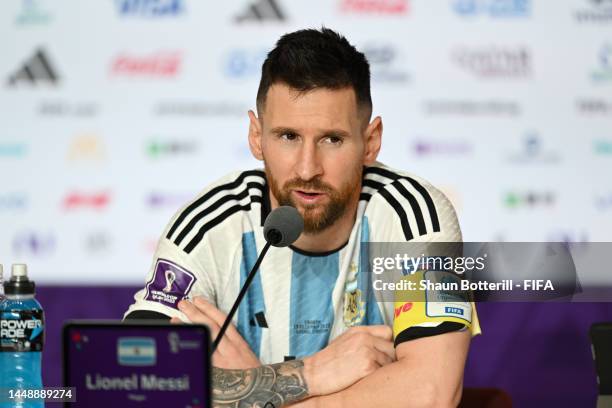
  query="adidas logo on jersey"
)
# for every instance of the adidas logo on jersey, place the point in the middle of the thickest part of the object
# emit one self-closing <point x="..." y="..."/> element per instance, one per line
<point x="261" y="10"/>
<point x="259" y="319"/>
<point x="37" y="69"/>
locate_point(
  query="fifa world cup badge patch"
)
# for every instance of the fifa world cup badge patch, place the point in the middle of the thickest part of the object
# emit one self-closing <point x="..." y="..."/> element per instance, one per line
<point x="170" y="283"/>
<point x="354" y="307"/>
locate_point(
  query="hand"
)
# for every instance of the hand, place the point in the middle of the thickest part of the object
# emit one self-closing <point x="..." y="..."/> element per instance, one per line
<point x="353" y="355"/>
<point x="232" y="352"/>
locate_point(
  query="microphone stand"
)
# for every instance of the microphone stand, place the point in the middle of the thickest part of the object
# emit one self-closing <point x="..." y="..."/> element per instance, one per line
<point x="243" y="291"/>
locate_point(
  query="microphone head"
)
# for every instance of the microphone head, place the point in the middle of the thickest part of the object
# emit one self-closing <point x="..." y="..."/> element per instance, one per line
<point x="283" y="226"/>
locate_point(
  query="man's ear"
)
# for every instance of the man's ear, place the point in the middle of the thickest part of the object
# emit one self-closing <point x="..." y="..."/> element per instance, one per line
<point x="255" y="136"/>
<point x="373" y="139"/>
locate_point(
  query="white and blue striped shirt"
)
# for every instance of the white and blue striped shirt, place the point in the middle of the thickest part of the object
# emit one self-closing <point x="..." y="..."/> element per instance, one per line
<point x="298" y="301"/>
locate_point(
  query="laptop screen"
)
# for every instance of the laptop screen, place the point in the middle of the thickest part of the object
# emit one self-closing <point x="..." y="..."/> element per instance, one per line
<point x="137" y="364"/>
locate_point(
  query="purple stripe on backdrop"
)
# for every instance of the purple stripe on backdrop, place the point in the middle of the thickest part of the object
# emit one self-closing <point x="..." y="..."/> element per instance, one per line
<point x="538" y="352"/>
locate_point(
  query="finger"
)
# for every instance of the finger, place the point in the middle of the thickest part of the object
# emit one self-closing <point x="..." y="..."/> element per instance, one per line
<point x="384" y="346"/>
<point x="219" y="361"/>
<point x="381" y="331"/>
<point x="215" y="318"/>
<point x="209" y="310"/>
<point x="382" y="359"/>
<point x="196" y="316"/>
<point x="218" y="316"/>
<point x="176" y="320"/>
<point x="348" y="333"/>
<point x="228" y="349"/>
<point x="232" y="344"/>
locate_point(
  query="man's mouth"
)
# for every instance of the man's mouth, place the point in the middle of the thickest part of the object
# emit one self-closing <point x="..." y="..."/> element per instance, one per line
<point x="309" y="197"/>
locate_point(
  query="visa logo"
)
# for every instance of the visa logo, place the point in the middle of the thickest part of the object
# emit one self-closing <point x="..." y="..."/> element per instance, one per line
<point x="453" y="310"/>
<point x="136" y="351"/>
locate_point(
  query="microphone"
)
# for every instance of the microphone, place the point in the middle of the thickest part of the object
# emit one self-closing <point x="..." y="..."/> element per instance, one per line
<point x="281" y="228"/>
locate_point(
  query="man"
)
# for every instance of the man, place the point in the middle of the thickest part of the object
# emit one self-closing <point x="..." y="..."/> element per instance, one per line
<point x="311" y="308"/>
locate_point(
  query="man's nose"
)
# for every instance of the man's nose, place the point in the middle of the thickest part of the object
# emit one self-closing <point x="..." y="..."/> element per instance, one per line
<point x="309" y="163"/>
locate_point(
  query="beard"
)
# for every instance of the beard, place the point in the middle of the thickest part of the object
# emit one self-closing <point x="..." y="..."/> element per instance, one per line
<point x="317" y="217"/>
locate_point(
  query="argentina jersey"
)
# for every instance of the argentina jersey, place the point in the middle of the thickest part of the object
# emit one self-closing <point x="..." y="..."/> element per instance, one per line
<point x="298" y="301"/>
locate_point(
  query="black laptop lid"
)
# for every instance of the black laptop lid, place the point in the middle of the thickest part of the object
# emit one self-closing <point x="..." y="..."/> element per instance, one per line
<point x="137" y="364"/>
<point x="601" y="339"/>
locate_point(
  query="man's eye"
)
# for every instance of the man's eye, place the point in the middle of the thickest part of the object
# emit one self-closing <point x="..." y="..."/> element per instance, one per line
<point x="333" y="140"/>
<point x="288" y="136"/>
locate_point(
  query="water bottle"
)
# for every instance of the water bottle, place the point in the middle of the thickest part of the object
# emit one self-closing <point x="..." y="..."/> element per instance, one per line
<point x="1" y="285"/>
<point x="21" y="340"/>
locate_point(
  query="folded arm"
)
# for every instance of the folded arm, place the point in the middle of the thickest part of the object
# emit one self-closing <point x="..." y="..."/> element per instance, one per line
<point x="239" y="379"/>
<point x="276" y="384"/>
<point x="428" y="373"/>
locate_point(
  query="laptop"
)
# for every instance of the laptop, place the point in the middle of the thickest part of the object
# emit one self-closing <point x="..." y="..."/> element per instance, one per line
<point x="601" y="344"/>
<point x="137" y="364"/>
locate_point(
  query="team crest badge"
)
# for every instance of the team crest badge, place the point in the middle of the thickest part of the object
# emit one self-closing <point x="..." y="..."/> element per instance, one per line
<point x="354" y="307"/>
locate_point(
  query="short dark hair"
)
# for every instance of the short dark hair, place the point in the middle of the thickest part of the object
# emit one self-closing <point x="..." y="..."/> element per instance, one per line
<point x="309" y="59"/>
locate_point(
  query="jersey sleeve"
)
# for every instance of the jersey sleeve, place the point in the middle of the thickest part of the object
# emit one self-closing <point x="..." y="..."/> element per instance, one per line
<point x="428" y="312"/>
<point x="412" y="211"/>
<point x="174" y="275"/>
<point x="196" y="252"/>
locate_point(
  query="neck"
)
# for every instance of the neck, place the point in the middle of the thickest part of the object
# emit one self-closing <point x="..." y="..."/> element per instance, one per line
<point x="332" y="237"/>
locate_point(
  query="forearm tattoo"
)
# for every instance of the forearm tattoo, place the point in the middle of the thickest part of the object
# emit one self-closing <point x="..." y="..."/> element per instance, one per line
<point x="275" y="385"/>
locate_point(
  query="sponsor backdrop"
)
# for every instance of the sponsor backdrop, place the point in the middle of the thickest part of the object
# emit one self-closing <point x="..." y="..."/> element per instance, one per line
<point x="115" y="113"/>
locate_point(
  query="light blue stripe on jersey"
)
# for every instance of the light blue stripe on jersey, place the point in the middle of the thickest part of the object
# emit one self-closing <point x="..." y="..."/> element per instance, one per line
<point x="372" y="315"/>
<point x="253" y="301"/>
<point x="311" y="315"/>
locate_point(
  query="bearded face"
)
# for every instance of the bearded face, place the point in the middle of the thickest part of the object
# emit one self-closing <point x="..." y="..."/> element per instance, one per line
<point x="319" y="203"/>
<point x="314" y="146"/>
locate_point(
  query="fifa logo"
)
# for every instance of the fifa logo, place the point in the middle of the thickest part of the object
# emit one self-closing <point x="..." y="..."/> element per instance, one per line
<point x="170" y="278"/>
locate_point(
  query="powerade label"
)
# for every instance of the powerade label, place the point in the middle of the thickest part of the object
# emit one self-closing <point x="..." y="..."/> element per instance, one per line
<point x="21" y="330"/>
